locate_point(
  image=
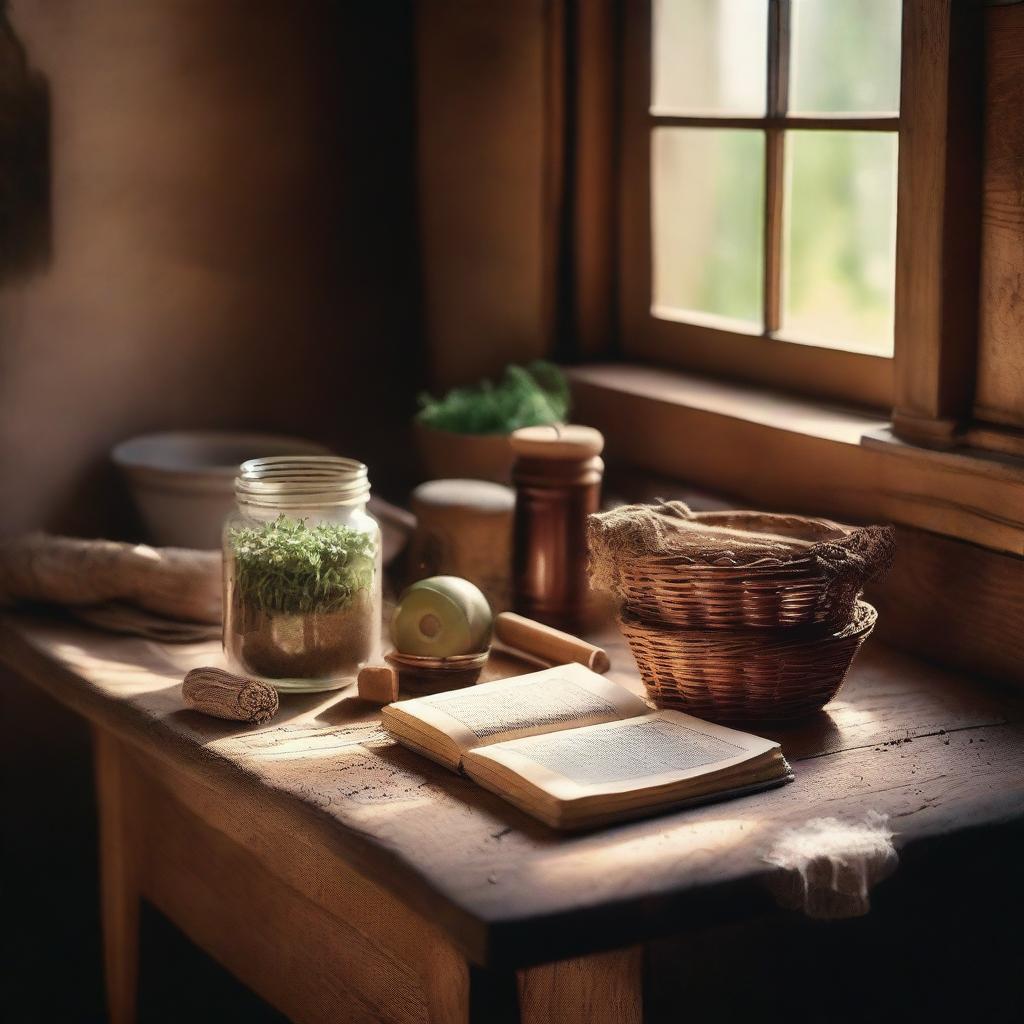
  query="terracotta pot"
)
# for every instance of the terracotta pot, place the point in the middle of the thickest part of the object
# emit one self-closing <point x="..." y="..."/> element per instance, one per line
<point x="444" y="455"/>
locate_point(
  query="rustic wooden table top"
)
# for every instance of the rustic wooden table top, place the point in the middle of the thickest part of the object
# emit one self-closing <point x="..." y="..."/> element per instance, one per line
<point x="934" y="752"/>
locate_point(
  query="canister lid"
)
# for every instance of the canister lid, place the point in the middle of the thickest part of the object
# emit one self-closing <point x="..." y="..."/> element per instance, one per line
<point x="477" y="495"/>
<point x="558" y="441"/>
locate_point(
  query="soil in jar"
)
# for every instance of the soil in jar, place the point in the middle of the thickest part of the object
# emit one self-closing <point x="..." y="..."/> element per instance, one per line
<point x="313" y="645"/>
<point x="300" y="599"/>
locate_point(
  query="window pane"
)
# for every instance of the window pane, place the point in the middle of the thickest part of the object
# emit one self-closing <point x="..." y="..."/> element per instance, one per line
<point x="710" y="56"/>
<point x="845" y="57"/>
<point x="840" y="239"/>
<point x="707" y="187"/>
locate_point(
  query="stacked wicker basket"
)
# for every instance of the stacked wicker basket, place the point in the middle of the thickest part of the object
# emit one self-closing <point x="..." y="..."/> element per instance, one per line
<point x="741" y="616"/>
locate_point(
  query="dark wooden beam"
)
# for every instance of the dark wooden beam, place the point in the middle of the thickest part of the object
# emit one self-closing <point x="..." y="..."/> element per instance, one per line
<point x="937" y="235"/>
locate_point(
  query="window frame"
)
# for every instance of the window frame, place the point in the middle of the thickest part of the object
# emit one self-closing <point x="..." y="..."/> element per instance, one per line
<point x="926" y="460"/>
<point x="767" y="356"/>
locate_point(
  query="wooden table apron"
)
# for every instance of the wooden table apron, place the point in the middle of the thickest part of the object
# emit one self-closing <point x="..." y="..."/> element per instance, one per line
<point x="327" y="868"/>
<point x="295" y="922"/>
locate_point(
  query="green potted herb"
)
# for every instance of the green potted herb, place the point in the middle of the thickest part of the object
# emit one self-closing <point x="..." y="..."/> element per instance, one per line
<point x="300" y="598"/>
<point x="465" y="433"/>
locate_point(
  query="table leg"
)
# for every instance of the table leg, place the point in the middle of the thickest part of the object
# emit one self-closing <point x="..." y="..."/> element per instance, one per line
<point x="493" y="997"/>
<point x="119" y="888"/>
<point x="606" y="988"/>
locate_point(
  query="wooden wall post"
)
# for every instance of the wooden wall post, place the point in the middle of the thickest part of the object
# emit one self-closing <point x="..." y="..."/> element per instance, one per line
<point x="594" y="82"/>
<point x="487" y="205"/>
<point x="1000" y="394"/>
<point x="937" y="239"/>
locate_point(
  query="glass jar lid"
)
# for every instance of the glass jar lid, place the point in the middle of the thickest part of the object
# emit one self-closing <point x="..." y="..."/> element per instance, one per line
<point x="301" y="481"/>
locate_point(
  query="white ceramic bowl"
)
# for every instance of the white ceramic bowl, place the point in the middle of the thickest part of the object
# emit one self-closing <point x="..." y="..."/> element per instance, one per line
<point x="183" y="483"/>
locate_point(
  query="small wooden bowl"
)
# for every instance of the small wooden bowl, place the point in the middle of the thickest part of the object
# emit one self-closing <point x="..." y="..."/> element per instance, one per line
<point x="419" y="674"/>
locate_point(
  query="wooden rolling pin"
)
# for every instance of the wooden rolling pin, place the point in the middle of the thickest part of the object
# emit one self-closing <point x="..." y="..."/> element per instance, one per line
<point x="547" y="643"/>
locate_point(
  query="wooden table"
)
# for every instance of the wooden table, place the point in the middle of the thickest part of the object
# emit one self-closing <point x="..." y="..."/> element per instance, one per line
<point x="344" y="878"/>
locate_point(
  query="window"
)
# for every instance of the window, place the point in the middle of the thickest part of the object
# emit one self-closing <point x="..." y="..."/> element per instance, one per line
<point x="759" y="190"/>
<point x="931" y="452"/>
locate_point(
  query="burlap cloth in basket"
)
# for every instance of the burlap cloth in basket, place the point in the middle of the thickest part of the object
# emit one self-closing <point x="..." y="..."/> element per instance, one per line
<point x="669" y="532"/>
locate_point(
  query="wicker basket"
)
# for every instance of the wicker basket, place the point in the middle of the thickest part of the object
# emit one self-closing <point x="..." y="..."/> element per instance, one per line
<point x="746" y="675"/>
<point x="820" y="584"/>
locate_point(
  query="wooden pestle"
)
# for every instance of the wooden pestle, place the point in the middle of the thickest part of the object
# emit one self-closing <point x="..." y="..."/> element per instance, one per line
<point x="547" y="643"/>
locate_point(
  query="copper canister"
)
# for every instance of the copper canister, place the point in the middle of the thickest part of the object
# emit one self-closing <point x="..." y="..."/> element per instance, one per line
<point x="557" y="477"/>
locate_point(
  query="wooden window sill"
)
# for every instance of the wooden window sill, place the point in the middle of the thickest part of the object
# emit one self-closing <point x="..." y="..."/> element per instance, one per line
<point x="789" y="453"/>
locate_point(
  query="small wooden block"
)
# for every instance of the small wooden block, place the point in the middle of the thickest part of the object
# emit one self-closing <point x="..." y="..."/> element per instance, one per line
<point x="378" y="683"/>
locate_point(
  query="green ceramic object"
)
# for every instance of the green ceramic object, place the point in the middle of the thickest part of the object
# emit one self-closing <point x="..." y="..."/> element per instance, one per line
<point x="441" y="617"/>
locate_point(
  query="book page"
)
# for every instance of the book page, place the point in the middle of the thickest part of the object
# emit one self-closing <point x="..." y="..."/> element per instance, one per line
<point x="565" y="697"/>
<point x="661" y="748"/>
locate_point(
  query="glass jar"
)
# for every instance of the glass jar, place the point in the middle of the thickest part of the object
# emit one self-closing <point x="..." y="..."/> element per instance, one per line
<point x="302" y="573"/>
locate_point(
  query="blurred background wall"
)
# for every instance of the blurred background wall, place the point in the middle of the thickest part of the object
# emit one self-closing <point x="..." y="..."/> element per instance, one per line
<point x="232" y="240"/>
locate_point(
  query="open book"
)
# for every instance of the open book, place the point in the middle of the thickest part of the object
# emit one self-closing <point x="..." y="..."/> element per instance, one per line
<point x="576" y="750"/>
